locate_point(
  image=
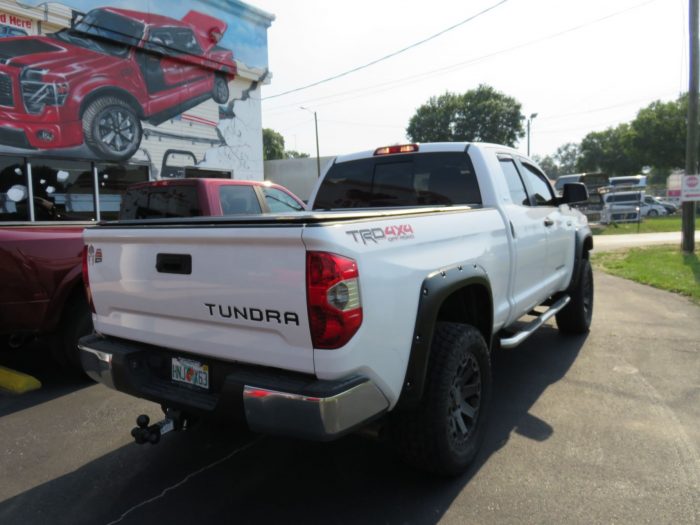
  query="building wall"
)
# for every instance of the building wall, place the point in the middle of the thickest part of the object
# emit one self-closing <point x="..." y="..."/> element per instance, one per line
<point x="225" y="136"/>
<point x="298" y="175"/>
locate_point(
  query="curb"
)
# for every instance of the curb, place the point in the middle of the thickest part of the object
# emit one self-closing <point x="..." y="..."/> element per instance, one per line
<point x="17" y="382"/>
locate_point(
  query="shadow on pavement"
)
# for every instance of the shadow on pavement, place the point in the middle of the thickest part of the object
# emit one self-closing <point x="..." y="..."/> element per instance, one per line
<point x="691" y="260"/>
<point x="35" y="359"/>
<point x="353" y="480"/>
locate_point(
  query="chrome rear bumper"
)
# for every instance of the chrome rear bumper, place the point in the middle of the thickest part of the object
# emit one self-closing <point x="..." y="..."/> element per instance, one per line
<point x="273" y="402"/>
<point x="274" y="412"/>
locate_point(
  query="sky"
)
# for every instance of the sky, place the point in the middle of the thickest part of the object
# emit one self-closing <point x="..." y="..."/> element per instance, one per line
<point x="581" y="66"/>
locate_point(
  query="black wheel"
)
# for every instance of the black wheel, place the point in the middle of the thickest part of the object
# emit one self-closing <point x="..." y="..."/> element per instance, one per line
<point x="653" y="213"/>
<point x="444" y="433"/>
<point x="111" y="128"/>
<point x="76" y="322"/>
<point x="220" y="91"/>
<point x="576" y="317"/>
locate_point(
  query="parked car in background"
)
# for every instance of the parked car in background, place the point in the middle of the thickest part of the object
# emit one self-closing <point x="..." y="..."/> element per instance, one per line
<point x="206" y="197"/>
<point x="670" y="207"/>
<point x="623" y="206"/>
<point x="594" y="182"/>
<point x="629" y="206"/>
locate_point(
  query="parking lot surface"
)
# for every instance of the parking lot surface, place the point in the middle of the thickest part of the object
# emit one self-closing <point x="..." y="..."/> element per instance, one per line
<point x="596" y="429"/>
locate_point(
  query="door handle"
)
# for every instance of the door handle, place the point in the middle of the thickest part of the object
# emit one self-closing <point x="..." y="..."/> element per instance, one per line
<point x="548" y="222"/>
<point x="179" y="263"/>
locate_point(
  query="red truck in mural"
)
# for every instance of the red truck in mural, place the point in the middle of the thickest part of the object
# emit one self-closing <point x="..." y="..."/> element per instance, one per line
<point x="42" y="291"/>
<point x="94" y="83"/>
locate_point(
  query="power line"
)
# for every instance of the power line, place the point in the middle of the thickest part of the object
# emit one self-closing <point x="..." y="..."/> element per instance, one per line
<point x="390" y="55"/>
<point x="428" y="75"/>
<point x="595" y="110"/>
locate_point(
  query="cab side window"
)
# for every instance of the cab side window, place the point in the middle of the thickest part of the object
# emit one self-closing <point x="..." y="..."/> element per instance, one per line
<point x="515" y="183"/>
<point x="537" y="181"/>
<point x="279" y="202"/>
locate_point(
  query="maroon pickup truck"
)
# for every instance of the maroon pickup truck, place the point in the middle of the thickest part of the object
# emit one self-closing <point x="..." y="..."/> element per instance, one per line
<point x="40" y="265"/>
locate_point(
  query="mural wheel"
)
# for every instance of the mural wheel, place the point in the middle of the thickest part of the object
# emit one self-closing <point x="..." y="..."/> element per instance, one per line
<point x="220" y="92"/>
<point x="111" y="128"/>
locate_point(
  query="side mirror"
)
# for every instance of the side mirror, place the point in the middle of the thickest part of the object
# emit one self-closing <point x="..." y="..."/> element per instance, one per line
<point x="574" y="192"/>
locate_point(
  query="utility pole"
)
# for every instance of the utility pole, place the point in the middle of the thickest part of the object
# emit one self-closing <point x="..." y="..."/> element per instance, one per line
<point x="529" y="119"/>
<point x="318" y="157"/>
<point x="691" y="145"/>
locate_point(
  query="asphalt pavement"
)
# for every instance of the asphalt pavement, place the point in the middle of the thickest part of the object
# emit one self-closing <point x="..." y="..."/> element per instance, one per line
<point x="597" y="429"/>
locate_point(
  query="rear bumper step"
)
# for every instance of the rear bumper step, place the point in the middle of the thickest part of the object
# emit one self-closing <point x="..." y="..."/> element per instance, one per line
<point x="271" y="401"/>
<point x="531" y="327"/>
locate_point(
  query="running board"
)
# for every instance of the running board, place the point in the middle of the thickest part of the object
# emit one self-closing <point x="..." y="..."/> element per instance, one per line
<point x="530" y="328"/>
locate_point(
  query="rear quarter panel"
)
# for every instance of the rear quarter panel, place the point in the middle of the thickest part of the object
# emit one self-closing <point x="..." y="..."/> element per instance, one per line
<point x="391" y="271"/>
<point x="39" y="268"/>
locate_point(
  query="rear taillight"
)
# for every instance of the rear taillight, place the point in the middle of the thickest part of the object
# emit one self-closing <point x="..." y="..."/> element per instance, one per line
<point x="333" y="295"/>
<point x="86" y="279"/>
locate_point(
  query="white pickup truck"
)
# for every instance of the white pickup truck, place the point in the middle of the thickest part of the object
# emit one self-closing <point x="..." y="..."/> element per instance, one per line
<point x="383" y="302"/>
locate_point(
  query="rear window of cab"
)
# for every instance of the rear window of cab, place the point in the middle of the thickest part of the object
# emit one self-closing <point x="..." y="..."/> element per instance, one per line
<point x="422" y="179"/>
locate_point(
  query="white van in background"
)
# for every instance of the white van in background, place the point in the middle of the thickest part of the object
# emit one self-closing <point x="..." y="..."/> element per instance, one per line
<point x="630" y="181"/>
<point x="629" y="206"/>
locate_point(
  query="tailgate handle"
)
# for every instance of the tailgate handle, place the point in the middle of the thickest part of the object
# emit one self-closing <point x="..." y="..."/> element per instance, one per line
<point x="180" y="263"/>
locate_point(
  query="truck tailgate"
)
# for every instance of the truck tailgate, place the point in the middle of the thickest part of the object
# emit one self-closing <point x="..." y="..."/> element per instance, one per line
<point x="237" y="294"/>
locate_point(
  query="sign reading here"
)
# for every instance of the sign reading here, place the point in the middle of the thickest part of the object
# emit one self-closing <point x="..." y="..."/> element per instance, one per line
<point x="15" y="21"/>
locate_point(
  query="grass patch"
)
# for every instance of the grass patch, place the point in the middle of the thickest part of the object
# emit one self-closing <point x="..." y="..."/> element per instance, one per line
<point x="664" y="267"/>
<point x="648" y="225"/>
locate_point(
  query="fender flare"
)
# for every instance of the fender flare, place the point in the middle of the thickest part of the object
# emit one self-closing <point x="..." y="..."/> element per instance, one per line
<point x="435" y="289"/>
<point x="583" y="244"/>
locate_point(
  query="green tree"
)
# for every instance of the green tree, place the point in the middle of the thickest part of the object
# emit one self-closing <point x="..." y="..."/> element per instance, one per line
<point x="291" y="154"/>
<point x="273" y="145"/>
<point x="567" y="157"/>
<point x="482" y="114"/>
<point x="548" y="164"/>
<point x="660" y="133"/>
<point x="610" y="151"/>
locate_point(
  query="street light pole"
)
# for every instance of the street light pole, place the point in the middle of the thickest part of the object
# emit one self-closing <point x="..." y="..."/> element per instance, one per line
<point x="691" y="148"/>
<point x="529" y="119"/>
<point x="318" y="156"/>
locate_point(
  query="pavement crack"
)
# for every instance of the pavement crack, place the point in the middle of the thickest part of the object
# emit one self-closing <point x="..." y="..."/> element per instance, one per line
<point x="186" y="479"/>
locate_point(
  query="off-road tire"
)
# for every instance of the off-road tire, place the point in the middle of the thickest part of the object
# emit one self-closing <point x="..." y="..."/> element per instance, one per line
<point x="576" y="316"/>
<point x="653" y="213"/>
<point x="111" y="128"/>
<point x="430" y="437"/>
<point x="220" y="91"/>
<point x="76" y="322"/>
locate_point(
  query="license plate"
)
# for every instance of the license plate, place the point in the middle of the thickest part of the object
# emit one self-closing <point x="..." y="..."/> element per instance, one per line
<point x="190" y="372"/>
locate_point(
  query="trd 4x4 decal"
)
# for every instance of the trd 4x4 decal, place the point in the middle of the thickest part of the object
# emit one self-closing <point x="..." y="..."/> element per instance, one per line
<point x="400" y="232"/>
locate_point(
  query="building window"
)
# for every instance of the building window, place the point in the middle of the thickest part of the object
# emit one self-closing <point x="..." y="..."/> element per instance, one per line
<point x="14" y="190"/>
<point x="112" y="181"/>
<point x="63" y="190"/>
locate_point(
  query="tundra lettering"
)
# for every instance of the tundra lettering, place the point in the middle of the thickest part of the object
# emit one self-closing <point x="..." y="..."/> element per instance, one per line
<point x="252" y="314"/>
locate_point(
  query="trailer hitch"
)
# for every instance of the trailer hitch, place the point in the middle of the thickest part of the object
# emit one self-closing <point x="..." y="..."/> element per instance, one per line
<point x="143" y="432"/>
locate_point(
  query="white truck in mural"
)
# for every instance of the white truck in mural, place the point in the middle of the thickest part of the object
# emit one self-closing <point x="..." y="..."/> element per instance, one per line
<point x="383" y="303"/>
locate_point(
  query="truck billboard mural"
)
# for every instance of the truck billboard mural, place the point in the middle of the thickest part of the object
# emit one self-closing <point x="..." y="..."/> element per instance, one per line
<point x="117" y="75"/>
